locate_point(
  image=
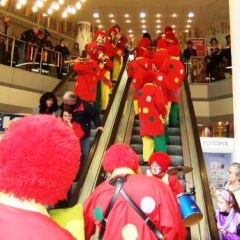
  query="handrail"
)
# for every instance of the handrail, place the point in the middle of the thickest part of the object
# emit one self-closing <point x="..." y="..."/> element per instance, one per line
<point x="192" y="154"/>
<point x="97" y="139"/>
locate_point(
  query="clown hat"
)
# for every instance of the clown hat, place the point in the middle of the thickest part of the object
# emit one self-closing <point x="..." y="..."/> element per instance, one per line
<point x="174" y="50"/>
<point x="99" y="34"/>
<point x="144" y="42"/>
<point x="160" y="158"/>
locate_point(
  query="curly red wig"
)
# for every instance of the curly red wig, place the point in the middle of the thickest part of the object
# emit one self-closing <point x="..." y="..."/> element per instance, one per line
<point x="161" y="158"/>
<point x="39" y="158"/>
<point x="120" y="156"/>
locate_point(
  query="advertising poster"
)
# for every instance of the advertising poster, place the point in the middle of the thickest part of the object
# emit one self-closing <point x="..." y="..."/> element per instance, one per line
<point x="6" y="119"/>
<point x="217" y="165"/>
<point x="199" y="44"/>
<point x="217" y="154"/>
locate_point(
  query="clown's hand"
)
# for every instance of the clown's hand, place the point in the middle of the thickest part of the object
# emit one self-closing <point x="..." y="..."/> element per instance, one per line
<point x="166" y="121"/>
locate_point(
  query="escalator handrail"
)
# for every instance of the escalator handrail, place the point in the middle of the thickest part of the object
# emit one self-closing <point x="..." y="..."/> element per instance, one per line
<point x="203" y="173"/>
<point x="96" y="140"/>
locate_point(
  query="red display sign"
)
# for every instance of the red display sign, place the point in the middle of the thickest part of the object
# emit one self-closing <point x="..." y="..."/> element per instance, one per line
<point x="199" y="44"/>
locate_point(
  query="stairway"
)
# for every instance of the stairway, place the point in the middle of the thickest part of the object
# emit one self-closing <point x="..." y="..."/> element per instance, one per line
<point x="174" y="147"/>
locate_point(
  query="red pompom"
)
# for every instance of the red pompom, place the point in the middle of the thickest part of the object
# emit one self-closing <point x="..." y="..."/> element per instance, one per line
<point x="174" y="50"/>
<point x="144" y="42"/>
<point x="39" y="158"/>
<point x="120" y="156"/>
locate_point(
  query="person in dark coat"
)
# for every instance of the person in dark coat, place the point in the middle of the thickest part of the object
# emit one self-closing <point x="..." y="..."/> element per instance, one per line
<point x="83" y="114"/>
<point x="189" y="51"/>
<point x="61" y="57"/>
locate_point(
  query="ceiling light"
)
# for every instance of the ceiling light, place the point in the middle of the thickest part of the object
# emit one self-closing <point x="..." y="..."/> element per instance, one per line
<point x="143" y="26"/>
<point x="95" y="15"/>
<point x="142" y="15"/>
<point x="143" y="21"/>
<point x="173" y="26"/>
<point x="50" y="11"/>
<point x="128" y="21"/>
<point x="64" y="14"/>
<point x="18" y="6"/>
<point x="61" y="2"/>
<point x="34" y="8"/>
<point x="144" y="31"/>
<point x="158" y="26"/>
<point x="189" y="20"/>
<point x="126" y="15"/>
<point x="98" y="21"/>
<point x="190" y="14"/>
<point x="100" y="26"/>
<point x="130" y="31"/>
<point x="111" y="15"/>
<point x="188" y="26"/>
<point x="174" y="15"/>
<point x="158" y="21"/>
<point x="158" y="15"/>
<point x="78" y="5"/>
<point x="113" y="21"/>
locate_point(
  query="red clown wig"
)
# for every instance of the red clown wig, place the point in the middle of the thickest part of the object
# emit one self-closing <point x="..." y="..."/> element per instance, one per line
<point x="120" y="156"/>
<point x="39" y="158"/>
<point x="161" y="158"/>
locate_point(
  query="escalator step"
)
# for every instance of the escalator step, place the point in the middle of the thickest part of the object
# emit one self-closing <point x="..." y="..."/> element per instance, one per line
<point x="175" y="140"/>
<point x="174" y="131"/>
<point x="176" y="160"/>
<point x="136" y="131"/>
<point x="136" y="139"/>
<point x="174" y="150"/>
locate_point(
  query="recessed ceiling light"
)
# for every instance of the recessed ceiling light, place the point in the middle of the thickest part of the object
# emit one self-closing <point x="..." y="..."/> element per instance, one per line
<point x="130" y="31"/>
<point x="111" y="15"/>
<point x="143" y="26"/>
<point x="144" y="31"/>
<point x="128" y="21"/>
<point x="189" y="20"/>
<point x="174" y="15"/>
<point x="190" y="14"/>
<point x="143" y="21"/>
<point x="98" y="21"/>
<point x="188" y="26"/>
<point x="173" y="26"/>
<point x="95" y="15"/>
<point x="158" y="26"/>
<point x="126" y="15"/>
<point x="100" y="26"/>
<point x="131" y="35"/>
<point x="142" y="15"/>
<point x="113" y="21"/>
<point x="158" y="21"/>
<point x="158" y="15"/>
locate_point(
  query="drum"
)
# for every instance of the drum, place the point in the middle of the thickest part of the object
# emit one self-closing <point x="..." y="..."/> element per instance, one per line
<point x="190" y="211"/>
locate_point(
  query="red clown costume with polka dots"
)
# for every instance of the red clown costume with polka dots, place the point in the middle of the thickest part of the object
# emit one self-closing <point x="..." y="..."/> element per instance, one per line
<point x="154" y="197"/>
<point x="137" y="68"/>
<point x="152" y="105"/>
<point x="88" y="75"/>
<point x="175" y="71"/>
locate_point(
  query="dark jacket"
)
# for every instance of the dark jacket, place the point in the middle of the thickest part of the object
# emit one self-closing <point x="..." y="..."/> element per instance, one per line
<point x="84" y="114"/>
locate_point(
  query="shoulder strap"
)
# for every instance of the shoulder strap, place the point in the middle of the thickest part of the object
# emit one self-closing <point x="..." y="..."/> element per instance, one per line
<point x="118" y="183"/>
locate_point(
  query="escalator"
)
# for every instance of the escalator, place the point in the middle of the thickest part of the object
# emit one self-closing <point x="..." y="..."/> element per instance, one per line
<point x="184" y="149"/>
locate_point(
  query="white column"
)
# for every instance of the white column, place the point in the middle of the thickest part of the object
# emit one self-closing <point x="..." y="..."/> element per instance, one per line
<point x="234" y="12"/>
<point x="84" y="34"/>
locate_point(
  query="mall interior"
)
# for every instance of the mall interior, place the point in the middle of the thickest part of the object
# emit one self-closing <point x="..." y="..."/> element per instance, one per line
<point x="206" y="106"/>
